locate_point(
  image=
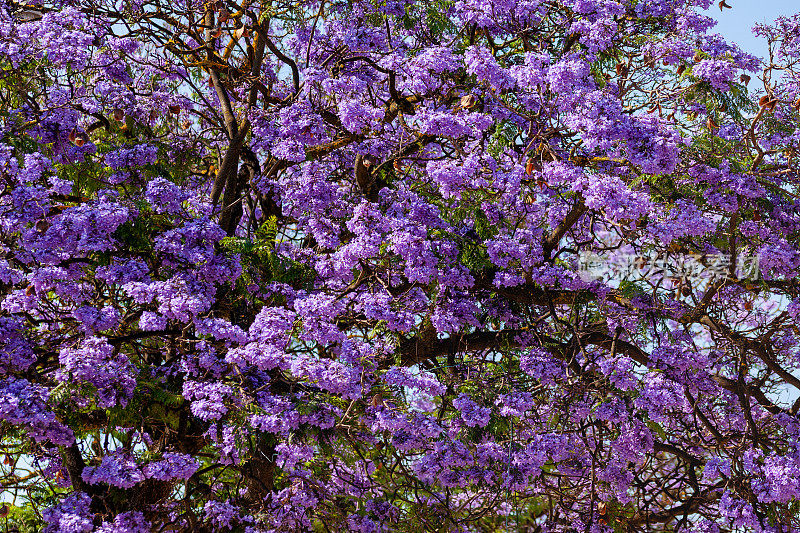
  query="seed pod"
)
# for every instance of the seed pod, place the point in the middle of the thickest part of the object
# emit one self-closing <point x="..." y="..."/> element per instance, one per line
<point x="764" y="100"/>
<point x="681" y="69"/>
<point x="238" y="33"/>
<point x="602" y="508"/>
<point x="216" y="33"/>
<point x="96" y="448"/>
<point x="530" y="167"/>
<point x="748" y="306"/>
<point x="224" y="15"/>
<point x="771" y="104"/>
<point x="81" y="138"/>
<point x="711" y="124"/>
<point x="28" y="15"/>
<point x="468" y="101"/>
<point x="174" y="109"/>
<point x="4" y="511"/>
<point x="722" y="5"/>
<point x="744" y="78"/>
<point x="119" y="114"/>
<point x="796" y="104"/>
<point x="368" y="161"/>
<point x="698" y="56"/>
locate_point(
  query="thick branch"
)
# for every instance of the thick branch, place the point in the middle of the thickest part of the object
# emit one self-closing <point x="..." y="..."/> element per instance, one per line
<point x="552" y="239"/>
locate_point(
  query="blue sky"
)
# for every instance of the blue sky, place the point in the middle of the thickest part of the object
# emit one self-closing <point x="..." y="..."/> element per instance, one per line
<point x="735" y="23"/>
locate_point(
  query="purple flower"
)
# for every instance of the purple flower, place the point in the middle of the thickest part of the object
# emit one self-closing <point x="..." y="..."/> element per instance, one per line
<point x="208" y="399"/>
<point x="172" y="466"/>
<point x="472" y="414"/>
<point x="97" y="363"/>
<point x="164" y="196"/>
<point x="70" y="515"/>
<point x="117" y="469"/>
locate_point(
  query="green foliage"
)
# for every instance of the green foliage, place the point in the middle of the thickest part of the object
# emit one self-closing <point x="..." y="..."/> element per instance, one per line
<point x="503" y="136"/>
<point x="258" y="255"/>
<point x="22" y="519"/>
<point x="430" y="15"/>
<point x="137" y="236"/>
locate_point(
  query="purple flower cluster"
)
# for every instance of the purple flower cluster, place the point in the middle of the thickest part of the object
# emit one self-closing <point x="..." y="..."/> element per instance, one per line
<point x="472" y="414"/>
<point x="323" y="267"/>
<point x="125" y="158"/>
<point x="97" y="363"/>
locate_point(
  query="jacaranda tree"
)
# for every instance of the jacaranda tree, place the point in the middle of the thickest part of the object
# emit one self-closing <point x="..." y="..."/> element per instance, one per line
<point x="397" y="265"/>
